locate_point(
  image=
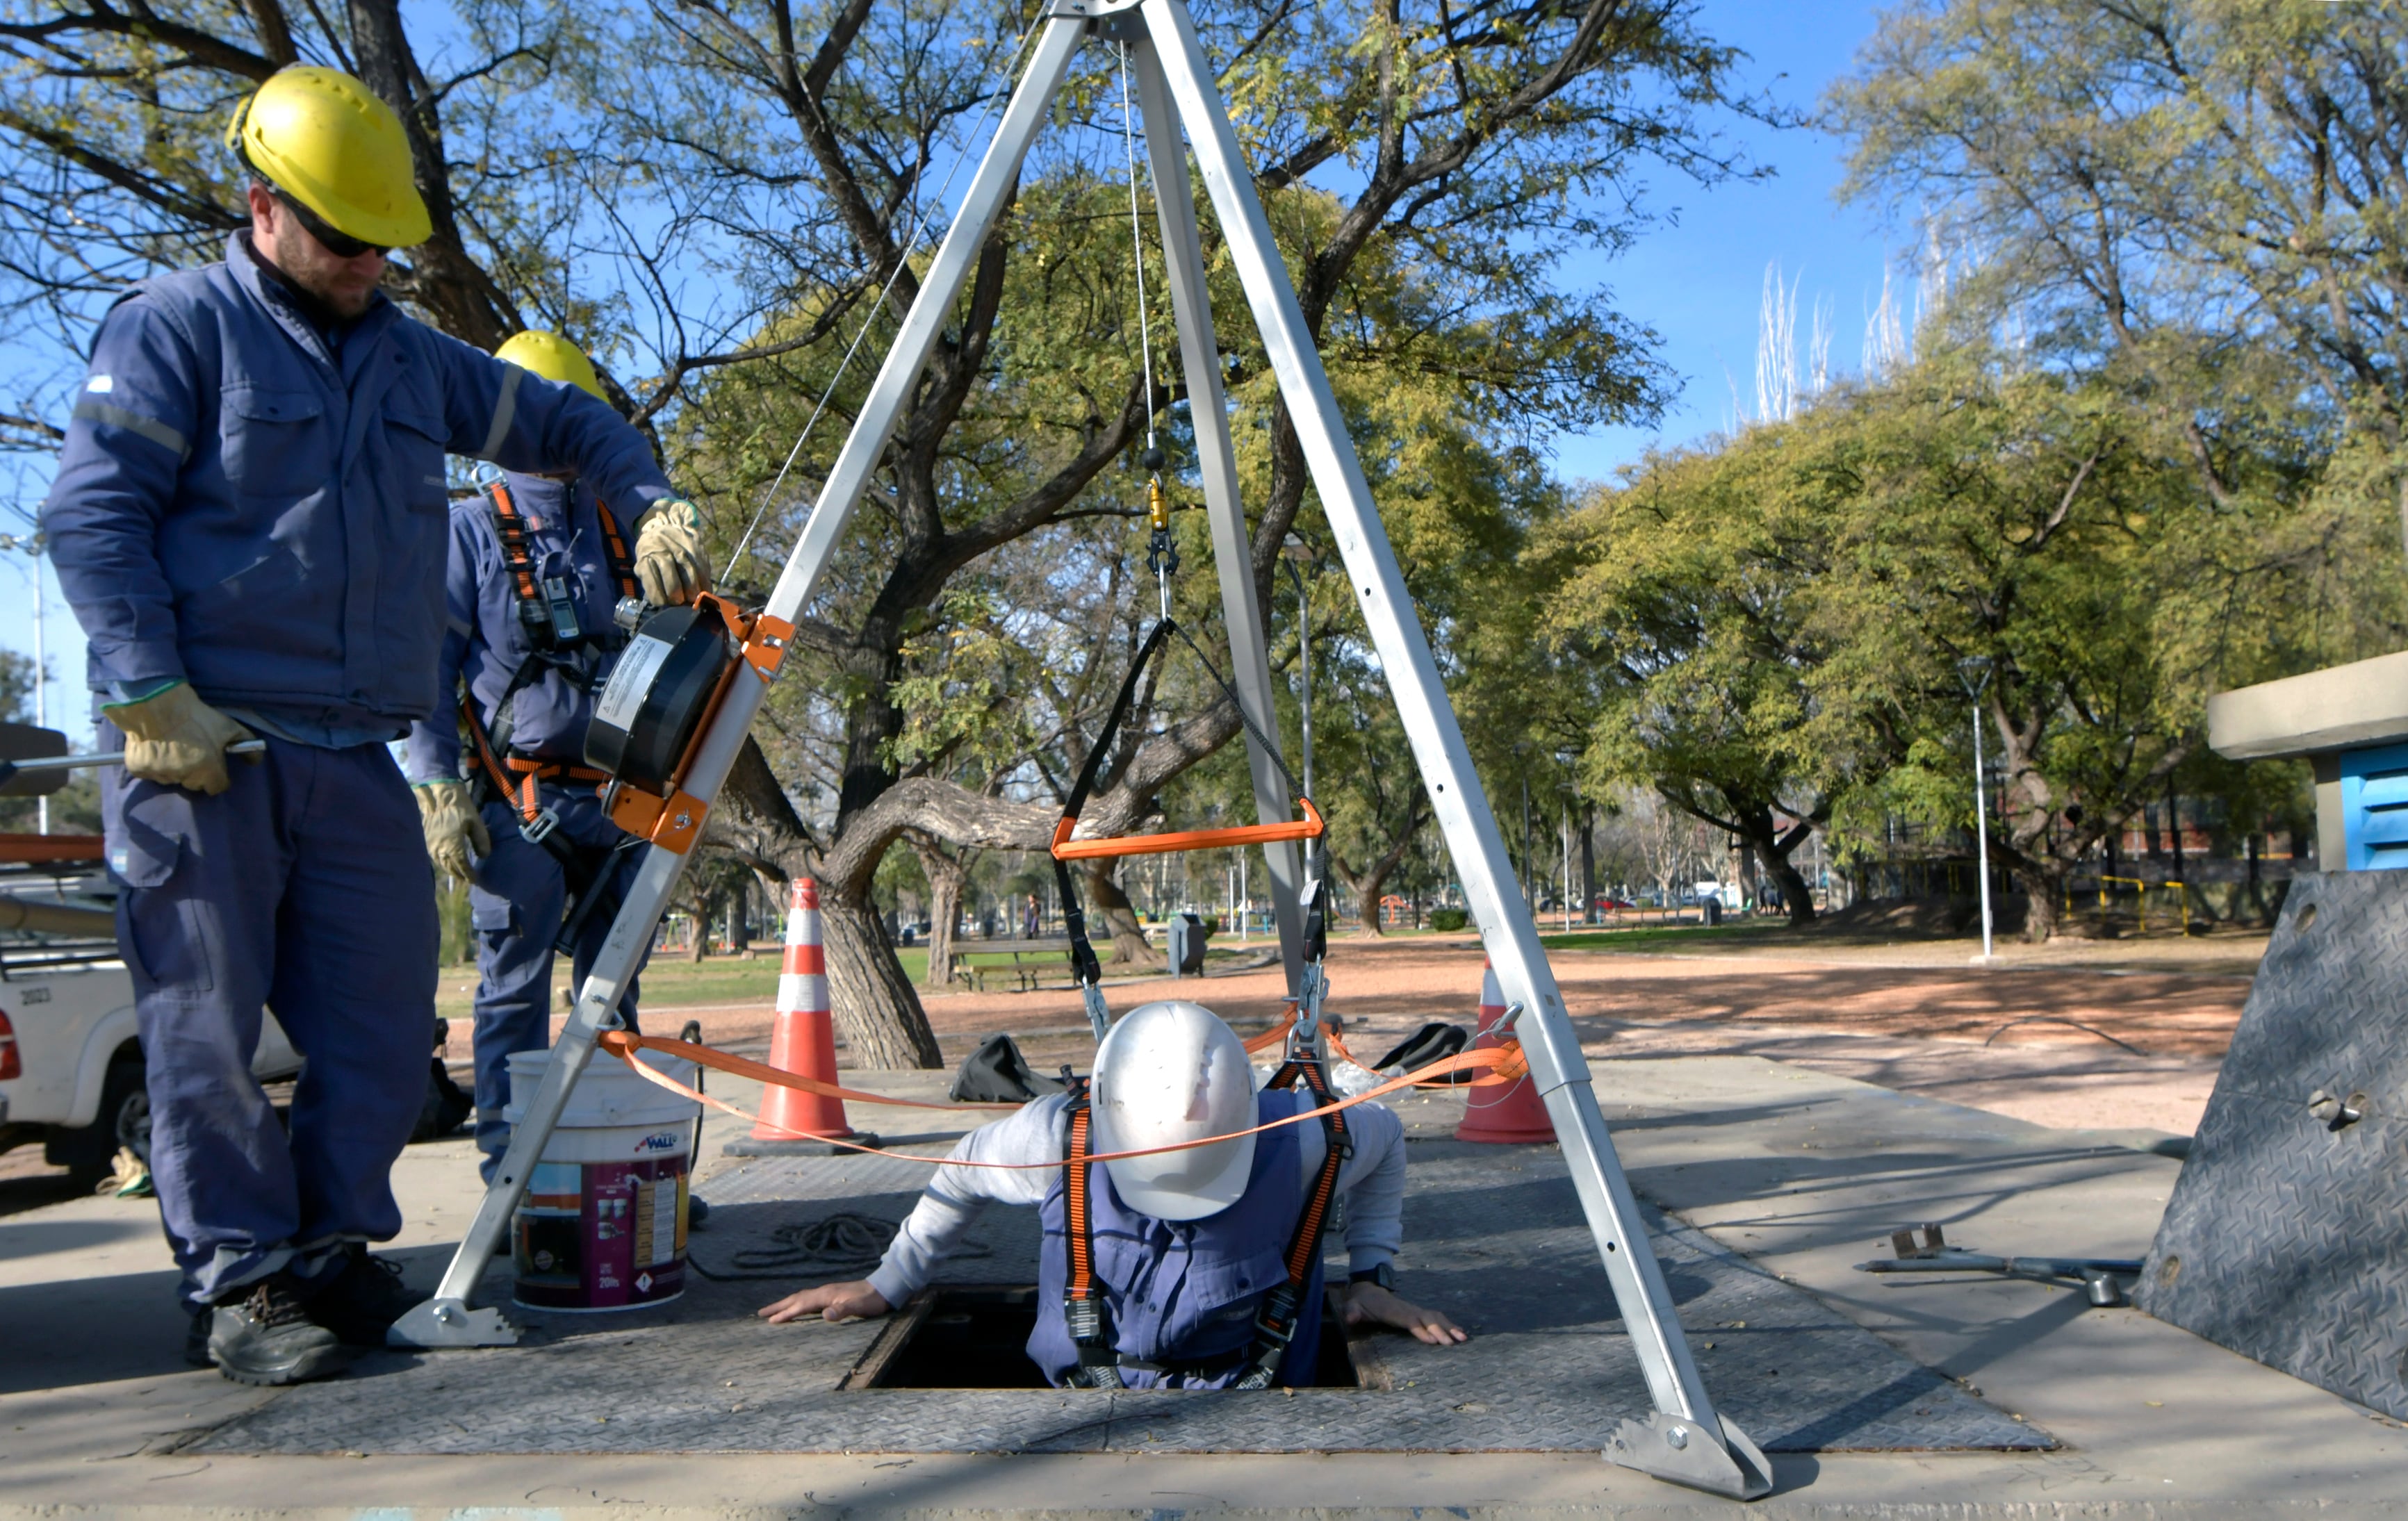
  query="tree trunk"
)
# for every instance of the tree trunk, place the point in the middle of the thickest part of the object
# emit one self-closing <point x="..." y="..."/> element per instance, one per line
<point x="704" y="905"/>
<point x="865" y="980"/>
<point x="1796" y="897"/>
<point x="947" y="875"/>
<point x="1109" y="909"/>
<point x="2045" y="889"/>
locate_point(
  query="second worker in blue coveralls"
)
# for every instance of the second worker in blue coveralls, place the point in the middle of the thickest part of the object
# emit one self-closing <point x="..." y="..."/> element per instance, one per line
<point x="250" y="521"/>
<point x="537" y="563"/>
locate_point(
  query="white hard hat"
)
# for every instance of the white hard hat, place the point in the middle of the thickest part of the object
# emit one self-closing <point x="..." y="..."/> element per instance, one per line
<point x="1168" y="1072"/>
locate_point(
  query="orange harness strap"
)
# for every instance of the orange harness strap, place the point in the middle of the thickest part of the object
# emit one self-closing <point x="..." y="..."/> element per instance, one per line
<point x="1082" y="1303"/>
<point x="532" y="773"/>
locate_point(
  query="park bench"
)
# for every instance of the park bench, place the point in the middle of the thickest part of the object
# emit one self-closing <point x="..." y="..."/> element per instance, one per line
<point x="1030" y="961"/>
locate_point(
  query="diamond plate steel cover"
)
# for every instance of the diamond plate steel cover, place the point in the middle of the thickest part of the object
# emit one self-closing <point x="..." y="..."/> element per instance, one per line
<point x="2284" y="1238"/>
<point x="1494" y="1236"/>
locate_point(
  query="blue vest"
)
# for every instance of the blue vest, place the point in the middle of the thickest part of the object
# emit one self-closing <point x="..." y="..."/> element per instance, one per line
<point x="1184" y="1290"/>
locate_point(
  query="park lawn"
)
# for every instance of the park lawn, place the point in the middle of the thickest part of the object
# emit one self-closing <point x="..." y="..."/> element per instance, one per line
<point x="1657" y="936"/>
<point x="672" y="981"/>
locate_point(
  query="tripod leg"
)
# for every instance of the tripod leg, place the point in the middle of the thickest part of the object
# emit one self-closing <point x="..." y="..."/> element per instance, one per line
<point x="1684" y="1440"/>
<point x="448" y="1320"/>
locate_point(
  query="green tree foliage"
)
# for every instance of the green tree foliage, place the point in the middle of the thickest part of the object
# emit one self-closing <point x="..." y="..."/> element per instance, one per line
<point x="1792" y="620"/>
<point x="2208" y="196"/>
<point x="1697" y="600"/>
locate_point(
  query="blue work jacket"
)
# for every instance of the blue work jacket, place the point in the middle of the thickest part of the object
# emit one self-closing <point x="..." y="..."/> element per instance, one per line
<point x="1185" y="1291"/>
<point x="244" y="506"/>
<point x="486" y="641"/>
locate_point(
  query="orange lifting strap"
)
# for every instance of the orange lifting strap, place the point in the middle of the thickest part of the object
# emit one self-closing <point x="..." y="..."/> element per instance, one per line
<point x="1067" y="849"/>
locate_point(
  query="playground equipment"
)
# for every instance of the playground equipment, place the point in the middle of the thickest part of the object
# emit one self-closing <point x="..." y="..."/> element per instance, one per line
<point x="1684" y="1438"/>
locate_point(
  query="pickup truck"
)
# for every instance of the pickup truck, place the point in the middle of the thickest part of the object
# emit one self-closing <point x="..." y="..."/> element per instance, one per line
<point x="71" y="1072"/>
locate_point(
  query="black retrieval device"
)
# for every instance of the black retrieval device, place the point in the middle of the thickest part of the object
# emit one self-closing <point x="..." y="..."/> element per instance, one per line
<point x="658" y="695"/>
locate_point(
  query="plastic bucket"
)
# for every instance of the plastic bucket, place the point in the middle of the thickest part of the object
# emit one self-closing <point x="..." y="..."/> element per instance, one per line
<point x="603" y="1222"/>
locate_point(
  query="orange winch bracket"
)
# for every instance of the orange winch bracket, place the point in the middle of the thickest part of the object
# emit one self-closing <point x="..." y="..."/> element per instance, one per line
<point x="675" y="821"/>
<point x="1067" y="849"/>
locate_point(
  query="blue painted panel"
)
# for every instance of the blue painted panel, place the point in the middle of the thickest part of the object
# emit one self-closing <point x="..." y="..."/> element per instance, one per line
<point x="2375" y="808"/>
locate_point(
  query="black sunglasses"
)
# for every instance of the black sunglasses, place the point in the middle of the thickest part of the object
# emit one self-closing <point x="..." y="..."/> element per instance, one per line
<point x="343" y="245"/>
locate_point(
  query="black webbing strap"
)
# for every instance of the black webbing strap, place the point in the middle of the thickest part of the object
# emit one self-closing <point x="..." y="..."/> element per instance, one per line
<point x="1083" y="964"/>
<point x="1082" y="1302"/>
<point x="1275" y="1323"/>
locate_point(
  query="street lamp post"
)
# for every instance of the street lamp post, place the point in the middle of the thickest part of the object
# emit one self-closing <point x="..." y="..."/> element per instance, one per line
<point x="1973" y="689"/>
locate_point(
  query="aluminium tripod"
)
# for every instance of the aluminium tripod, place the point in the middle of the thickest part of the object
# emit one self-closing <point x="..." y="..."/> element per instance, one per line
<point x="1682" y="1438"/>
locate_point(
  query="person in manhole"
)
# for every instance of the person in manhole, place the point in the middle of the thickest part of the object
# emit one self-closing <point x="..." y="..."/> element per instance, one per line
<point x="1194" y="1269"/>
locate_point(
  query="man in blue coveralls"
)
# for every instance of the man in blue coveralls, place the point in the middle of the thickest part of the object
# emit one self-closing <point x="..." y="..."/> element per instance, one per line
<point x="248" y="519"/>
<point x="538" y="565"/>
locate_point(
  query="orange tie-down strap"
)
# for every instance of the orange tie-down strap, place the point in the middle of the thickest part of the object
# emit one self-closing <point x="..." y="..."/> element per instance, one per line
<point x="1497" y="1065"/>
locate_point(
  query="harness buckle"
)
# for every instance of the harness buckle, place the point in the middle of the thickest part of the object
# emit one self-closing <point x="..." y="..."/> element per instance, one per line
<point x="535" y="831"/>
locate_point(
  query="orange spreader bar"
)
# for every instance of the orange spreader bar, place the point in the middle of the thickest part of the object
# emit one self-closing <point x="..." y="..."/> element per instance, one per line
<point x="1067" y="849"/>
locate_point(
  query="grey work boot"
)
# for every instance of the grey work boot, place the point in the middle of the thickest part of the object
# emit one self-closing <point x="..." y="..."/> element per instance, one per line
<point x="268" y="1338"/>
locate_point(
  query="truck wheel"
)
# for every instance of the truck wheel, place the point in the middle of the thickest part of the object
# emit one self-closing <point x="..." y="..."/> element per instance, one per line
<point x="124" y="1119"/>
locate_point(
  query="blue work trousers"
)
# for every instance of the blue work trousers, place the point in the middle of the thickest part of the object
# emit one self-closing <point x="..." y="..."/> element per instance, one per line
<point x="516" y="904"/>
<point x="304" y="888"/>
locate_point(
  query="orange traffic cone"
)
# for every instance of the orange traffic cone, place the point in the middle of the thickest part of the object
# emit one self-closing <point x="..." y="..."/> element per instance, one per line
<point x="1514" y="1114"/>
<point x="802" y="1041"/>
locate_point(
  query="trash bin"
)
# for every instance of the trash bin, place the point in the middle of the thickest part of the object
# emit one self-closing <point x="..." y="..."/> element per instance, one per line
<point x="1710" y="910"/>
<point x="1185" y="944"/>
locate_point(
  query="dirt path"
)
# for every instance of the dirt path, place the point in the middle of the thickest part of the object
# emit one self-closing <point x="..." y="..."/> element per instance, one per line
<point x="2078" y="1038"/>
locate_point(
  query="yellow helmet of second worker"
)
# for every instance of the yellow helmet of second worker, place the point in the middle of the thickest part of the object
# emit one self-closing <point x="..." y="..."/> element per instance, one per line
<point x="554" y="358"/>
<point x="325" y="139"/>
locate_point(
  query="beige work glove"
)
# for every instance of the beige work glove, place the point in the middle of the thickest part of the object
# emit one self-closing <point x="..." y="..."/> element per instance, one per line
<point x="670" y="561"/>
<point x="453" y="827"/>
<point x="175" y="738"/>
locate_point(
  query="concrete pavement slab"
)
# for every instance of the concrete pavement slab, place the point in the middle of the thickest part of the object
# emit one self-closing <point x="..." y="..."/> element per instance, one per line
<point x="1803" y="1172"/>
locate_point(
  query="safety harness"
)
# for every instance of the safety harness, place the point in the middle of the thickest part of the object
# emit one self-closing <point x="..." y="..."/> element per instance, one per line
<point x="547" y="609"/>
<point x="1084" y="1309"/>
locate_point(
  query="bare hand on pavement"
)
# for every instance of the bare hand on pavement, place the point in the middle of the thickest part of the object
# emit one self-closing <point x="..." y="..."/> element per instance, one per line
<point x="1368" y="1304"/>
<point x="855" y="1300"/>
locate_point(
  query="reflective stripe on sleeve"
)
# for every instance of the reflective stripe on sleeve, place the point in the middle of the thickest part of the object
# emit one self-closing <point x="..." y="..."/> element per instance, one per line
<point x="159" y="433"/>
<point x="504" y="410"/>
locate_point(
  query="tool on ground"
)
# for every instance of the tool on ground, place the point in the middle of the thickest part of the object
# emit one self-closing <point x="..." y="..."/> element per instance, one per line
<point x="9" y="769"/>
<point x="2105" y="1280"/>
<point x="1684" y="1438"/>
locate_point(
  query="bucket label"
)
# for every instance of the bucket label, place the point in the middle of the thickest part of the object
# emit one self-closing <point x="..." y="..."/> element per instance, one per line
<point x="602" y="1235"/>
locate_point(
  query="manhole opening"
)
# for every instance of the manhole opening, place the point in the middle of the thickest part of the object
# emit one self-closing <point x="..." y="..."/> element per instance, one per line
<point x="975" y="1336"/>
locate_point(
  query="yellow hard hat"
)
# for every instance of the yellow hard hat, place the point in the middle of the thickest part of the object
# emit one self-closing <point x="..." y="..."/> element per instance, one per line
<point x="325" y="139"/>
<point x="554" y="358"/>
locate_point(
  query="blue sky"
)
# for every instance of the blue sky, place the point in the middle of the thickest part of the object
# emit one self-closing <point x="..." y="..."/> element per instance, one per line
<point x="1697" y="280"/>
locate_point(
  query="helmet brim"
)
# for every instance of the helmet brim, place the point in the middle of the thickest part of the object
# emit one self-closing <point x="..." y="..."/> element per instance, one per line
<point x="1207" y="1180"/>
